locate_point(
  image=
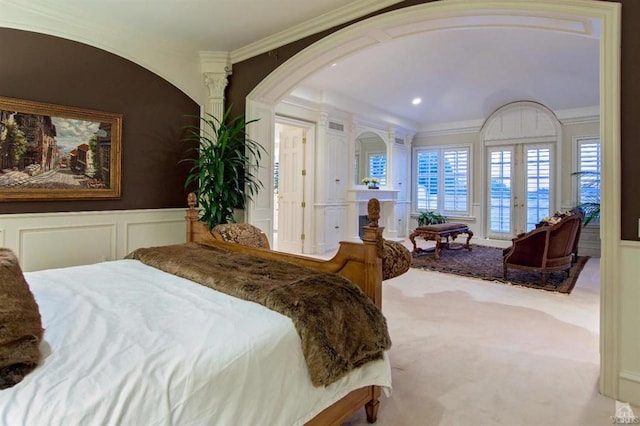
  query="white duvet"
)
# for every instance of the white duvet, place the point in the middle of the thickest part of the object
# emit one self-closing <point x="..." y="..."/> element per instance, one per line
<point x="127" y="344"/>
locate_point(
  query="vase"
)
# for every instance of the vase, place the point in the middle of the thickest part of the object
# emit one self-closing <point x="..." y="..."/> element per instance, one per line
<point x="373" y="186"/>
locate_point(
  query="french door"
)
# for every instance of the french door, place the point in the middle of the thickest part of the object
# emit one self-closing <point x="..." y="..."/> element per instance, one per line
<point x="520" y="188"/>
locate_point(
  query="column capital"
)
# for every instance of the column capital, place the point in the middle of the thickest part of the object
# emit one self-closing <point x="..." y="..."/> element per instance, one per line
<point x="215" y="68"/>
<point x="216" y="83"/>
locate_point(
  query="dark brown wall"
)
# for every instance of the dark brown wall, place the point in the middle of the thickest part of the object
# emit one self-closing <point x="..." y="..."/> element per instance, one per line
<point x="44" y="68"/>
<point x="247" y="74"/>
<point x="630" y="111"/>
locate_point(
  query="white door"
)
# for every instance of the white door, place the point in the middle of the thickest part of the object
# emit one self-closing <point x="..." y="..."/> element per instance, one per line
<point x="290" y="190"/>
<point x="520" y="188"/>
<point x="399" y="171"/>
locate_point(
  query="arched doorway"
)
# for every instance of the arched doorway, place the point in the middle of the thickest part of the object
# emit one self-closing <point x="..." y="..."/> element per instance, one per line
<point x="548" y="15"/>
<point x="522" y="161"/>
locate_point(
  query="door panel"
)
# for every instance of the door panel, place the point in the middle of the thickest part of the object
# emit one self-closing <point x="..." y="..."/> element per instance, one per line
<point x="290" y="190"/>
<point x="520" y="190"/>
<point x="500" y="193"/>
<point x="538" y="201"/>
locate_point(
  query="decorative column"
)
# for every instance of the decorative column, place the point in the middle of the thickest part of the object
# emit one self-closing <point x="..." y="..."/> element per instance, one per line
<point x="215" y="67"/>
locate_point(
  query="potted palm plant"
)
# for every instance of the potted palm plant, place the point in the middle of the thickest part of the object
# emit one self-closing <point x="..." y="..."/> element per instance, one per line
<point x="223" y="167"/>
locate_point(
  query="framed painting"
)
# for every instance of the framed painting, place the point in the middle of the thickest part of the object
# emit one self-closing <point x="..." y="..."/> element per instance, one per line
<point x="54" y="152"/>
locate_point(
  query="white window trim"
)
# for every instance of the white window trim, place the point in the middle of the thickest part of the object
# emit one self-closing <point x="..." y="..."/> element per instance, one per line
<point x="576" y="140"/>
<point x="575" y="188"/>
<point x="414" y="177"/>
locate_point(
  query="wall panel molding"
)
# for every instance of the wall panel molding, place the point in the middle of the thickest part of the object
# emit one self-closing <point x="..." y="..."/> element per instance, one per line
<point x="55" y="240"/>
<point x="153" y="232"/>
<point x="67" y="245"/>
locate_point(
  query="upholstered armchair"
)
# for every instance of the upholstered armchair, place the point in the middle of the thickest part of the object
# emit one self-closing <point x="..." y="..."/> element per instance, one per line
<point x="241" y="233"/>
<point x="548" y="248"/>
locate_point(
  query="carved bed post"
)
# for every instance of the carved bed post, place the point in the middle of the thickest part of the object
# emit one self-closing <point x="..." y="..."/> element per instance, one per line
<point x="192" y="215"/>
<point x="373" y="252"/>
<point x="373" y="242"/>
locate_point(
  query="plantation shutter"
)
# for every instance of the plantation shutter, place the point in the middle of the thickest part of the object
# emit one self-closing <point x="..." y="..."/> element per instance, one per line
<point x="378" y="168"/>
<point x="456" y="181"/>
<point x="589" y="164"/>
<point x="427" y="180"/>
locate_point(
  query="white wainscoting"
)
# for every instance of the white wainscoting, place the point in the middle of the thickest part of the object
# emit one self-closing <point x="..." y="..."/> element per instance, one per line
<point x="55" y="240"/>
<point x="629" y="332"/>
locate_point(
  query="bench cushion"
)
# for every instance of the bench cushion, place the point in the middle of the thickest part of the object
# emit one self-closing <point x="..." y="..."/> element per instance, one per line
<point x="440" y="227"/>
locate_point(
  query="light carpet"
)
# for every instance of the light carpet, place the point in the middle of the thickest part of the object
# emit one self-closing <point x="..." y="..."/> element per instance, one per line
<point x="471" y="352"/>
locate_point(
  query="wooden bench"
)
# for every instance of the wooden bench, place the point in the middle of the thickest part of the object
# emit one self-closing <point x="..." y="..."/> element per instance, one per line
<point x="439" y="232"/>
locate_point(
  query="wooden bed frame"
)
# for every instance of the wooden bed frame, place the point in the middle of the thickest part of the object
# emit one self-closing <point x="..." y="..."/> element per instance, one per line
<point x="361" y="263"/>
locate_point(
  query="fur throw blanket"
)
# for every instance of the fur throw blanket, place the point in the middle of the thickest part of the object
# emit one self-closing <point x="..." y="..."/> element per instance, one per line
<point x="340" y="327"/>
<point x="20" y="323"/>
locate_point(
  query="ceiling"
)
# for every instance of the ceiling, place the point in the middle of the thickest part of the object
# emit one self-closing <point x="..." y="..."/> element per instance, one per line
<point x="460" y="75"/>
<point x="465" y="75"/>
<point x="199" y="25"/>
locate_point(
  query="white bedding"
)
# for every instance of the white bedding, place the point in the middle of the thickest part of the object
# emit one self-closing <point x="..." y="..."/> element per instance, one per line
<point x="127" y="344"/>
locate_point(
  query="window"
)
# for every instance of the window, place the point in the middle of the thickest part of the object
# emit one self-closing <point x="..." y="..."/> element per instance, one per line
<point x="500" y="166"/>
<point x="589" y="163"/>
<point x="588" y="177"/>
<point x="378" y="167"/>
<point x="442" y="180"/>
<point x="538" y="184"/>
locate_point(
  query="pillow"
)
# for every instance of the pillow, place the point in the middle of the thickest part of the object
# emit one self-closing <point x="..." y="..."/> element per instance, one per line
<point x="396" y="259"/>
<point x="242" y="233"/>
<point x="20" y="323"/>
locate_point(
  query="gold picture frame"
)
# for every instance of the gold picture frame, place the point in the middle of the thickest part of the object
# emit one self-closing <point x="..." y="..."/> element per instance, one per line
<point x="52" y="152"/>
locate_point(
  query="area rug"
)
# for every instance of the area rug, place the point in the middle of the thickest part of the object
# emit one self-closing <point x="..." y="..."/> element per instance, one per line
<point x="486" y="263"/>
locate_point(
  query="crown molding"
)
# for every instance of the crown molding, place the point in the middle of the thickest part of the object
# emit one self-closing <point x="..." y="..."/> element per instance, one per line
<point x="320" y="23"/>
<point x="452" y="128"/>
<point x="215" y="62"/>
<point x="590" y="114"/>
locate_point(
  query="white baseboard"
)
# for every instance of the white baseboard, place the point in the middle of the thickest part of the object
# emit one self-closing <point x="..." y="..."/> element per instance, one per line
<point x="630" y="387"/>
<point x="55" y="240"/>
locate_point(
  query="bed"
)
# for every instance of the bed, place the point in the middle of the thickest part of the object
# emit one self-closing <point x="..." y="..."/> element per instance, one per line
<point x="118" y="351"/>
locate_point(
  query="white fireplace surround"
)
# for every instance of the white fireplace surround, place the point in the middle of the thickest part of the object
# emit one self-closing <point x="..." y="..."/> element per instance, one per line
<point x="357" y="200"/>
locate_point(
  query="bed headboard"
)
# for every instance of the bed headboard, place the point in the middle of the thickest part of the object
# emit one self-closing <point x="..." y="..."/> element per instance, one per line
<point x="361" y="263"/>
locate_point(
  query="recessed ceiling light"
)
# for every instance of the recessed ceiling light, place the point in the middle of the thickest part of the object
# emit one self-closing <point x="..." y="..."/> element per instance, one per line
<point x="416" y="101"/>
<point x="334" y="64"/>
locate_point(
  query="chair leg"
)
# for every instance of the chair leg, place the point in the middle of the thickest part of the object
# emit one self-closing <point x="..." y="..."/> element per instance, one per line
<point x="543" y="278"/>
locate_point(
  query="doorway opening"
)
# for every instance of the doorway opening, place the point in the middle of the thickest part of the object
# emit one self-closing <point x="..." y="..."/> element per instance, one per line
<point x="603" y="16"/>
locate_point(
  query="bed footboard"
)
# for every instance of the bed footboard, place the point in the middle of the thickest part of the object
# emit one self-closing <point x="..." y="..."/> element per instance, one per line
<point x="361" y="263"/>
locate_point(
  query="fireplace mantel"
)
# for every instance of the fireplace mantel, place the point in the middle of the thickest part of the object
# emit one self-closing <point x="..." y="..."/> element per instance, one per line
<point x="359" y="195"/>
